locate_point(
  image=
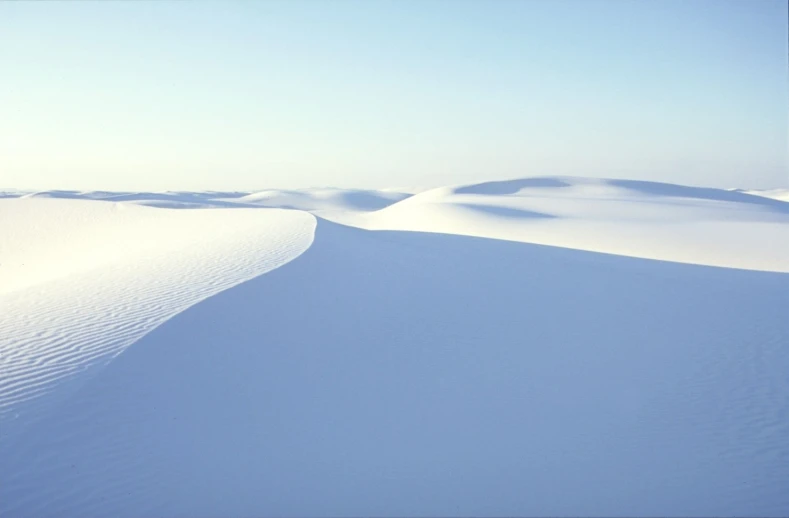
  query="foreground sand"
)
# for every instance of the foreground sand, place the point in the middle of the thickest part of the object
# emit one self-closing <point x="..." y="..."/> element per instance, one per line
<point x="546" y="346"/>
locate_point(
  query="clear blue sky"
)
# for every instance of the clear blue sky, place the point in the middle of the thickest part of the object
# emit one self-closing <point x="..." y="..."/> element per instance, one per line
<point x="376" y="93"/>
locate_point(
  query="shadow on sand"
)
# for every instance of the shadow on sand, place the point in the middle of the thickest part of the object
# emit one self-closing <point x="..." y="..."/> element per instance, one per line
<point x="402" y="373"/>
<point x="701" y="193"/>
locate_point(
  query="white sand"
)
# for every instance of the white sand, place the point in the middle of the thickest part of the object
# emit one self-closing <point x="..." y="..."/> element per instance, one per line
<point x="433" y="357"/>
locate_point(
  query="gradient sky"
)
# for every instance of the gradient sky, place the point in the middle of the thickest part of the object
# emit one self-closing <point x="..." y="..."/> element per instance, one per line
<point x="375" y="93"/>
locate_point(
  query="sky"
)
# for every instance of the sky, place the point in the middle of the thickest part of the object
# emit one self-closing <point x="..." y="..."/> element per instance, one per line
<point x="244" y="95"/>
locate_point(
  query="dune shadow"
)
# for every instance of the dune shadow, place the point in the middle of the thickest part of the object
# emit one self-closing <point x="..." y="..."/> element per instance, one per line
<point x="405" y="373"/>
<point x="702" y="193"/>
<point x="512" y="186"/>
<point x="180" y="200"/>
<point x="61" y="194"/>
<point x="370" y="200"/>
<point x="170" y="200"/>
<point x="507" y="212"/>
<point x="310" y="199"/>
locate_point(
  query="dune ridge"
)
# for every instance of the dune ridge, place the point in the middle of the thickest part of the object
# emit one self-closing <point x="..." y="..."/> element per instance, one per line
<point x="642" y="219"/>
<point x="131" y="268"/>
<point x="458" y="352"/>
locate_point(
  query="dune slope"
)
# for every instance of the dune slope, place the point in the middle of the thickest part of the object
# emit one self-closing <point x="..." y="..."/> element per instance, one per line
<point x="82" y="280"/>
<point x="635" y="218"/>
<point x="406" y="373"/>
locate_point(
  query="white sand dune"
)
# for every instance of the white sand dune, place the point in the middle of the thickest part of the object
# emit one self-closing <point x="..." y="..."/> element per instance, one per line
<point x="634" y="218"/>
<point x="446" y="363"/>
<point x="324" y="199"/>
<point x="81" y="280"/>
<point x="776" y="194"/>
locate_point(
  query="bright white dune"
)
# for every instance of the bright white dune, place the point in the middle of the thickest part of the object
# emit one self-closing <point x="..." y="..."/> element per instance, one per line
<point x="82" y="280"/>
<point x="437" y="361"/>
<point x="639" y="219"/>
<point x="324" y="199"/>
<point x="776" y="194"/>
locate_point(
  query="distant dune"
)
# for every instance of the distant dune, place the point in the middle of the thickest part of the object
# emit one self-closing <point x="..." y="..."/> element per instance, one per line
<point x="323" y="199"/>
<point x="634" y="218"/>
<point x="776" y="194"/>
<point x="536" y="347"/>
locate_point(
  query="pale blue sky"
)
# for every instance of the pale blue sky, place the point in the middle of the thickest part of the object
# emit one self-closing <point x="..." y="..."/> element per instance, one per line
<point x="374" y="93"/>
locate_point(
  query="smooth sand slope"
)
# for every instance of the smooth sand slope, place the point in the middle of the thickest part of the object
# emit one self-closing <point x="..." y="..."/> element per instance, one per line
<point x="82" y="280"/>
<point x="634" y="218"/>
<point x="397" y="373"/>
<point x="776" y="194"/>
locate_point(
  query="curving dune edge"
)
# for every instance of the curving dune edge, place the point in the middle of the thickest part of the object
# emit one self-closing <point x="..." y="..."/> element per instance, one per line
<point x="536" y="347"/>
